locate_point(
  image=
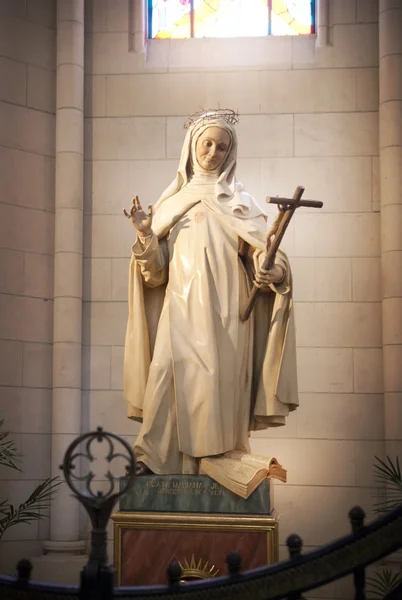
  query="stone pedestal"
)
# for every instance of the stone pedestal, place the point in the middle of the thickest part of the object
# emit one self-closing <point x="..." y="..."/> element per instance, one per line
<point x="198" y="531"/>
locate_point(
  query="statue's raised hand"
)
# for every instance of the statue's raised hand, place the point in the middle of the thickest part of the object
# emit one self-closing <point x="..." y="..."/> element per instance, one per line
<point x="142" y="221"/>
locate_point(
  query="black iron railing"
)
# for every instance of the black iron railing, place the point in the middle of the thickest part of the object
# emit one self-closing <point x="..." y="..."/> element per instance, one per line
<point x="289" y="579"/>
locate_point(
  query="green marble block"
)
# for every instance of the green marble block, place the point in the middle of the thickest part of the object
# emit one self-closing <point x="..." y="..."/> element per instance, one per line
<point x="191" y="493"/>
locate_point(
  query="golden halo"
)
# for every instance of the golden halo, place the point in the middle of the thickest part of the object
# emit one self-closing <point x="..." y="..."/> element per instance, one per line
<point x="196" y="570"/>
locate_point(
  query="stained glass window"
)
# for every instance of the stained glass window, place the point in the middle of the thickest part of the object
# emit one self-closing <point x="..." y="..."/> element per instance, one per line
<point x="229" y="18"/>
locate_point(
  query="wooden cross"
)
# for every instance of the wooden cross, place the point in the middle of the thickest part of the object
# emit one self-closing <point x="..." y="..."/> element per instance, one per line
<point x="287" y="207"/>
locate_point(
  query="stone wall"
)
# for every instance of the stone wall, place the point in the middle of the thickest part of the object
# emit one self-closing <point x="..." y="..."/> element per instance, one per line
<point x="27" y="147"/>
<point x="309" y="116"/>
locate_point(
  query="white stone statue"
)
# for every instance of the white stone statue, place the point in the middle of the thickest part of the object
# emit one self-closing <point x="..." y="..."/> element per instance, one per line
<point x="197" y="377"/>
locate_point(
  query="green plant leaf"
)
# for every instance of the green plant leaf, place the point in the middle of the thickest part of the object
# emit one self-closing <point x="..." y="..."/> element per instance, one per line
<point x="32" y="509"/>
<point x="382" y="583"/>
<point x="388" y="473"/>
<point x="9" y="455"/>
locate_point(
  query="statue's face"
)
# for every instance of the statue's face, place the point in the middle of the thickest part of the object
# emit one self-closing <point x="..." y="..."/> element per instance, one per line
<point x="212" y="148"/>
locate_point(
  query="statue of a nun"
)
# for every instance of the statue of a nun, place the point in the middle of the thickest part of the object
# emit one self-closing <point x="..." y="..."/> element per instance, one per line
<point x="197" y="377"/>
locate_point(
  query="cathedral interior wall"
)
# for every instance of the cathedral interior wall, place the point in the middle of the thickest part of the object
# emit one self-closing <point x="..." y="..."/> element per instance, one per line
<point x="27" y="150"/>
<point x="308" y="116"/>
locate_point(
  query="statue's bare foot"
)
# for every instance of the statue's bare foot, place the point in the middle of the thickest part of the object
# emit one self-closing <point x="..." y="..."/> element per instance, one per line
<point x="142" y="469"/>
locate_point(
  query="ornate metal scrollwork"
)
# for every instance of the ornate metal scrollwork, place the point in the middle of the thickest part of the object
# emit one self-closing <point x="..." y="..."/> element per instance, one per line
<point x="98" y="504"/>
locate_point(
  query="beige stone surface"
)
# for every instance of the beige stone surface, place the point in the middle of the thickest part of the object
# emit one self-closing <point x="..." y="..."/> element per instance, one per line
<point x="68" y="274"/>
<point x="67" y="320"/>
<point x="37" y="365"/>
<point x="391" y="236"/>
<point x="41" y="89"/>
<point x="390" y="43"/>
<point x="26" y="229"/>
<point x="272" y="52"/>
<point x="367" y="89"/>
<point x="391" y="175"/>
<point x="35" y="449"/>
<point x="108" y="410"/>
<point x="96" y="367"/>
<point x="130" y="138"/>
<point x="11" y="271"/>
<point x="343" y="184"/>
<point x="95" y="95"/>
<point x="14" y="73"/>
<point x="392" y="368"/>
<point x="36" y="188"/>
<point x="120" y="268"/>
<point x="68" y="230"/>
<point x="112" y="236"/>
<point x="139" y="95"/>
<point x="376" y="183"/>
<point x="10" y="363"/>
<point x="69" y="34"/>
<point x="69" y="131"/>
<point x="337" y="235"/>
<point x="322" y="279"/>
<point x="308" y="54"/>
<point x="97" y="279"/>
<point x="367" y="11"/>
<point x="107" y="53"/>
<point x="25" y="410"/>
<point x="342" y="11"/>
<point x="66" y="421"/>
<point x="42" y="11"/>
<point x="117" y="15"/>
<point x="339" y="134"/>
<point x="366" y="274"/>
<point x="323" y="90"/>
<point x="11" y="552"/>
<point x="38" y="275"/>
<point x="117" y="367"/>
<point x="391" y="267"/>
<point x="368" y="370"/>
<point x="392" y="323"/>
<point x="26" y="129"/>
<point x="233" y="89"/>
<point x="67" y="364"/>
<point x="105" y="323"/>
<point x="391" y="77"/>
<point x="25" y="319"/>
<point x="341" y="416"/>
<point x="27" y="41"/>
<point x="355" y="46"/>
<point x="298" y="506"/>
<point x="339" y="324"/>
<point x="70" y="86"/>
<point x="393" y="414"/>
<point x="69" y="180"/>
<point x="390" y="114"/>
<point x="332" y="459"/>
<point x="325" y="370"/>
<point x="115" y="183"/>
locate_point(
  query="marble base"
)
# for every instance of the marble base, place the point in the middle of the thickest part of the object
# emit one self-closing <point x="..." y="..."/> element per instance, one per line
<point x="192" y="494"/>
<point x="146" y="543"/>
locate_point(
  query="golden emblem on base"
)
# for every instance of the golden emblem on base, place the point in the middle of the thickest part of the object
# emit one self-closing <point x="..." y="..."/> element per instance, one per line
<point x="195" y="570"/>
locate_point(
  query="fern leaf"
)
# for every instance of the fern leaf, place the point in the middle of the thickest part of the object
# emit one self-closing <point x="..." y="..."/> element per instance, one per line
<point x="32" y="509"/>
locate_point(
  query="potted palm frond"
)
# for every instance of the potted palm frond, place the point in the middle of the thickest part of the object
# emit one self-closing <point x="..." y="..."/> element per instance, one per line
<point x="388" y="475"/>
<point x="38" y="502"/>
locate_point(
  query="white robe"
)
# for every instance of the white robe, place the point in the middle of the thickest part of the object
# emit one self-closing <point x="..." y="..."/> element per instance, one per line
<point x="207" y="379"/>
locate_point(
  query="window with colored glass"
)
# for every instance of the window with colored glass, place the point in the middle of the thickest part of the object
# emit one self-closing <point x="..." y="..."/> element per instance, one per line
<point x="229" y="18"/>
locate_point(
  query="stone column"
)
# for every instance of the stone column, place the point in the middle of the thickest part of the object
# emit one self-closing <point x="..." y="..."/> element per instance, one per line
<point x="62" y="562"/>
<point x="390" y="28"/>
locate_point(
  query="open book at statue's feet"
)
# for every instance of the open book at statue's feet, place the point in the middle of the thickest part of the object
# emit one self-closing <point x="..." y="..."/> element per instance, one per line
<point x="240" y="472"/>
